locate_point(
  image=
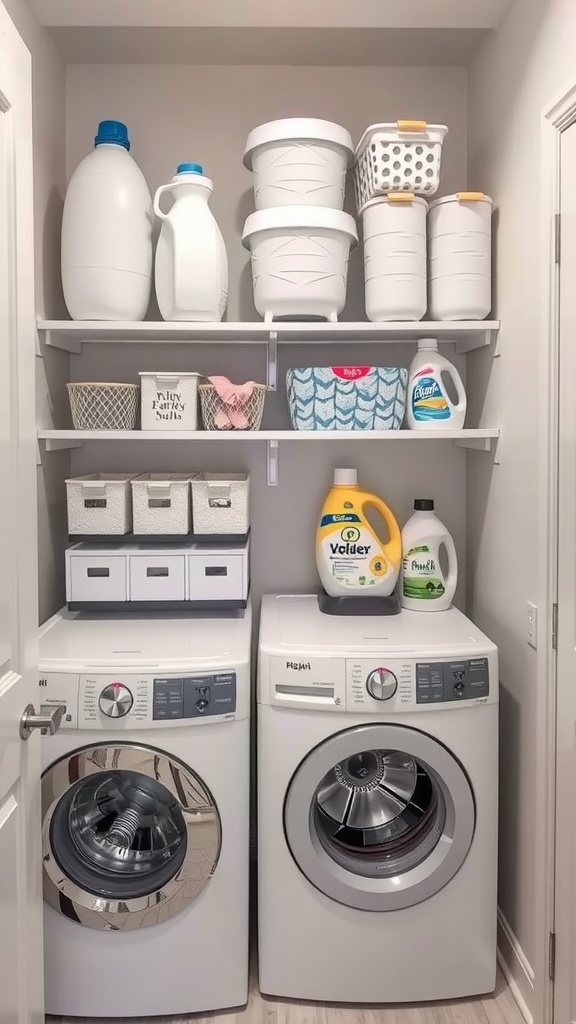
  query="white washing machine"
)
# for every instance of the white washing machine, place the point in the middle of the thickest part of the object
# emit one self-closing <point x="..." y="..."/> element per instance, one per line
<point x="377" y="805"/>
<point x="145" y="805"/>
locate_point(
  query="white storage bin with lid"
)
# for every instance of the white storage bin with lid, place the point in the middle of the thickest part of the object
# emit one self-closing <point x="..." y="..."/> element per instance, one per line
<point x="220" y="503"/>
<point x="219" y="573"/>
<point x="299" y="161"/>
<point x="94" y="573"/>
<point x="161" y="503"/>
<point x="460" y="251"/>
<point x="398" y="157"/>
<point x="299" y="258"/>
<point x="99" y="503"/>
<point x="169" y="401"/>
<point x="394" y="228"/>
<point x="156" y="575"/>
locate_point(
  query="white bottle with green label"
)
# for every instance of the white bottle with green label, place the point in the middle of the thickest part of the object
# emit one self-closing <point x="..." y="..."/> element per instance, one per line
<point x="425" y="587"/>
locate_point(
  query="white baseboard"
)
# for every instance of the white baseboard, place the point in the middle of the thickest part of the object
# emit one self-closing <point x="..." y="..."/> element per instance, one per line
<point x="516" y="968"/>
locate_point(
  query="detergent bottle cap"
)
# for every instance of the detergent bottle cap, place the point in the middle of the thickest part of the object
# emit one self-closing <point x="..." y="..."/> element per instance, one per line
<point x="423" y="505"/>
<point x="427" y="345"/>
<point x="345" y="477"/>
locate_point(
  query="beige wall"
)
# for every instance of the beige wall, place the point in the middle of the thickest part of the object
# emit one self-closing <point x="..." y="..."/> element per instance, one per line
<point x="49" y="113"/>
<point x="516" y="75"/>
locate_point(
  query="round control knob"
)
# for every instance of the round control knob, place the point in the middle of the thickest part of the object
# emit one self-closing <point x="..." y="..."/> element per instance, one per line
<point x="381" y="684"/>
<point x="115" y="700"/>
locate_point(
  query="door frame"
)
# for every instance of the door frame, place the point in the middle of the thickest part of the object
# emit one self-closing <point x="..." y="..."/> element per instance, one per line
<point x="557" y="116"/>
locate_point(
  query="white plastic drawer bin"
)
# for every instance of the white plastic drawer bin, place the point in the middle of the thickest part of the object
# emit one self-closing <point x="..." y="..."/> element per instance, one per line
<point x="460" y="245"/>
<point x="217" y="576"/>
<point x="157" y="576"/>
<point x="161" y="503"/>
<point x="169" y="401"/>
<point x="100" y="503"/>
<point x="220" y="503"/>
<point x="95" y="576"/>
<point x="395" y="257"/>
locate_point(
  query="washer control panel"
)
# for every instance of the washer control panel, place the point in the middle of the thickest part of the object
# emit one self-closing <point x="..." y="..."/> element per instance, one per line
<point x="441" y="681"/>
<point x="194" y="697"/>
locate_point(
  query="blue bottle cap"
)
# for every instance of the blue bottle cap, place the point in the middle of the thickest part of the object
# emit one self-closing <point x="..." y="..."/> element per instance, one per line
<point x="112" y="133"/>
<point x="189" y="169"/>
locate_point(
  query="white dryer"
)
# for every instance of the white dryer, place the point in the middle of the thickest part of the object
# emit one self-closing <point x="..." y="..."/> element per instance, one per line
<point x="377" y="805"/>
<point x="145" y="806"/>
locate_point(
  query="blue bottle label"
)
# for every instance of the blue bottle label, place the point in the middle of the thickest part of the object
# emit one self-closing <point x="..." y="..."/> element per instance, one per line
<point x="428" y="399"/>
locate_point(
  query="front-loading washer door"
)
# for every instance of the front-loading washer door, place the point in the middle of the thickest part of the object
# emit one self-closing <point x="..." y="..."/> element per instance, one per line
<point x="379" y="817"/>
<point x="130" y="836"/>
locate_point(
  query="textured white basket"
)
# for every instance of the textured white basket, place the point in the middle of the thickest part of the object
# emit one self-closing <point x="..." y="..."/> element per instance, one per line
<point x="395" y="257"/>
<point x="212" y="404"/>
<point x="299" y="257"/>
<point x="400" y="157"/>
<point x="161" y="503"/>
<point x="169" y="401"/>
<point x="299" y="161"/>
<point x="460" y="244"/>
<point x="104" y="406"/>
<point x="220" y="503"/>
<point x="100" y="503"/>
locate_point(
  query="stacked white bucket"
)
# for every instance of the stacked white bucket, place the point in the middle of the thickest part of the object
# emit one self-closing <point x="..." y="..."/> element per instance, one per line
<point x="299" y="238"/>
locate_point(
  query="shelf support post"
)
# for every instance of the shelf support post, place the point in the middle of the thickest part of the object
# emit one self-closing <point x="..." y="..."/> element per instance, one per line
<point x="272" y="362"/>
<point x="272" y="464"/>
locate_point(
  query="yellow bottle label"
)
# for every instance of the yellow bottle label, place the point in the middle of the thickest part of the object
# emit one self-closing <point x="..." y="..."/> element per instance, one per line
<point x="352" y="551"/>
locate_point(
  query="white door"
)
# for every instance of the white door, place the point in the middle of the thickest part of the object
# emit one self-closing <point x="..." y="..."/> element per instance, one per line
<point x="21" y="975"/>
<point x="565" y="909"/>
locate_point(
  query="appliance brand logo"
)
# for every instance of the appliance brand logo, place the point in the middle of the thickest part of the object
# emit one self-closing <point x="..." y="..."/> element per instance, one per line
<point x="299" y="666"/>
<point x="42" y="682"/>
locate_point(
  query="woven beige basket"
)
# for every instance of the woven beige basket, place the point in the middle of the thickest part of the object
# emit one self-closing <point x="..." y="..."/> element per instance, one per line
<point x="211" y="404"/>
<point x="104" y="406"/>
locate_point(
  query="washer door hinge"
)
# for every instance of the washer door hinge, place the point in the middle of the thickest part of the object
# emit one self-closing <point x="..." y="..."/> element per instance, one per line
<point x="552" y="956"/>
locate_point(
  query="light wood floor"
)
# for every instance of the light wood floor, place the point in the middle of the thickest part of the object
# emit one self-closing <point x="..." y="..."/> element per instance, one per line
<point x="498" y="1008"/>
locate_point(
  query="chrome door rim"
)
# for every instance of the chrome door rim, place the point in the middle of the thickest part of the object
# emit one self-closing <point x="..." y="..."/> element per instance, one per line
<point x="196" y="805"/>
<point x="352" y="888"/>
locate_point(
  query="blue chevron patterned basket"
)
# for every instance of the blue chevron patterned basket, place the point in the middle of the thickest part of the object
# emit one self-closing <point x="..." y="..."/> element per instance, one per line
<point x="347" y="397"/>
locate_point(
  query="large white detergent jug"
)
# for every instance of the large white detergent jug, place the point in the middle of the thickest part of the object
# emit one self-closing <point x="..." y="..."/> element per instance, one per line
<point x="429" y="406"/>
<point x="191" y="261"/>
<point x="425" y="586"/>
<point x="107" y="233"/>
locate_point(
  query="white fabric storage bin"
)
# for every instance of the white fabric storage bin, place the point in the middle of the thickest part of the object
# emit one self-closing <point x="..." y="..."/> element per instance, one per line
<point x="95" y="575"/>
<point x="460" y="249"/>
<point x="218" y="575"/>
<point x="161" y="503"/>
<point x="299" y="257"/>
<point x="156" y="576"/>
<point x="299" y="161"/>
<point x="395" y="257"/>
<point x="220" y="503"/>
<point x="99" y="503"/>
<point x="403" y="156"/>
<point x="169" y="401"/>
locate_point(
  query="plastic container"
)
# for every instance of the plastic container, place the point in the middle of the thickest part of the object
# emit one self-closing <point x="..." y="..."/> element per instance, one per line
<point x="460" y="243"/>
<point x="394" y="229"/>
<point x="220" y="503"/>
<point x="299" y="261"/>
<point x="169" y="401"/>
<point x="161" y="503"/>
<point x="429" y="406"/>
<point x="347" y="397"/>
<point x="425" y="588"/>
<point x="100" y="406"/>
<point x="299" y="161"/>
<point x="404" y="156"/>
<point x="100" y="503"/>
<point x="107" y="233"/>
<point x="352" y="559"/>
<point x="191" y="272"/>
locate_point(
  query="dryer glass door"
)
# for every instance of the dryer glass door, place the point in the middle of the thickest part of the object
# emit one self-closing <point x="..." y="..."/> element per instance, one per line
<point x="130" y="836"/>
<point x="379" y="817"/>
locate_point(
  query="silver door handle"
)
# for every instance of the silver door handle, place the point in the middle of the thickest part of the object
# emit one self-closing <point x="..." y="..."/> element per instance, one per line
<point x="48" y="721"/>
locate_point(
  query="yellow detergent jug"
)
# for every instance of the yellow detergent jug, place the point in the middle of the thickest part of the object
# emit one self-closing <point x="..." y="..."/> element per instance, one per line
<point x="352" y="559"/>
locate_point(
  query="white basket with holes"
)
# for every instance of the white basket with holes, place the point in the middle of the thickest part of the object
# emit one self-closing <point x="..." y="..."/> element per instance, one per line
<point x="161" y="503"/>
<point x="100" y="503"/>
<point x="398" y="157"/>
<point x="220" y="503"/>
<point x="97" y="406"/>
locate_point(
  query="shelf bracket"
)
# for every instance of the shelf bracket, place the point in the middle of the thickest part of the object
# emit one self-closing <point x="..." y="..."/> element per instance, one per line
<point x="272" y="362"/>
<point x="272" y="464"/>
<point x="481" y="444"/>
<point x="55" y="339"/>
<point x="54" y="444"/>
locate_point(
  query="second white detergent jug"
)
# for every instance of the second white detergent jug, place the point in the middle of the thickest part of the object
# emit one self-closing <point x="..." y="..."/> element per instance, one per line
<point x="429" y="406"/>
<point x="191" y="261"/>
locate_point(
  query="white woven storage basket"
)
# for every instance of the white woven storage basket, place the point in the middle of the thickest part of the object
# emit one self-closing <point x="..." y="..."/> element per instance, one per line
<point x="212" y="404"/>
<point x="161" y="503"/>
<point x="104" y="406"/>
<point x="100" y="503"/>
<point x="400" y="157"/>
<point x="220" y="503"/>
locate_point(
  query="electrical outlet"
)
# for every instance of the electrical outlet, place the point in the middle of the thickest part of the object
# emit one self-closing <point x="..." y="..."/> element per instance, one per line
<point x="532" y="624"/>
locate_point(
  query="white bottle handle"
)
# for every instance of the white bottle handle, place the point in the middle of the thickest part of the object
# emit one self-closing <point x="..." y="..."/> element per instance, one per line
<point x="157" y="210"/>
<point x="460" y="405"/>
<point x="452" y="574"/>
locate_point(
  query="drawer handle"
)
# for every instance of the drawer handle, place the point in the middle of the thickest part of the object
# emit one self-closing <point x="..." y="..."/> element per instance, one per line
<point x="95" y="503"/>
<point x="157" y="570"/>
<point x="159" y="502"/>
<point x="99" y="570"/>
<point x="219" y="503"/>
<point x="216" y="570"/>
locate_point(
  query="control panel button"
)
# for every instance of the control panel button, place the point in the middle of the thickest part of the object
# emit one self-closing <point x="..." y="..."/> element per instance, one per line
<point x="115" y="700"/>
<point x="381" y="684"/>
<point x="202" y="704"/>
<point x="459" y="688"/>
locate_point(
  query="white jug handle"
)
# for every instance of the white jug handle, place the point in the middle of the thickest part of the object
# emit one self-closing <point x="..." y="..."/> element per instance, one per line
<point x="452" y="576"/>
<point x="157" y="210"/>
<point x="461" y="403"/>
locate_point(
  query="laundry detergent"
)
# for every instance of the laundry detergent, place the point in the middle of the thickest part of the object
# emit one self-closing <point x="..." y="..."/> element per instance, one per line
<point x="429" y="406"/>
<point x="425" y="586"/>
